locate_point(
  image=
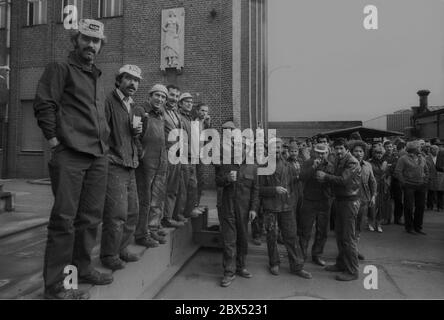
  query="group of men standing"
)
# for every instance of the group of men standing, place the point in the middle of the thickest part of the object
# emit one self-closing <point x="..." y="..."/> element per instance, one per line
<point x="109" y="163"/>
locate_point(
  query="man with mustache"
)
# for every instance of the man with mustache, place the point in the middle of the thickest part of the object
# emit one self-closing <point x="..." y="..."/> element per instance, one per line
<point x="152" y="171"/>
<point x="172" y="122"/>
<point x="121" y="203"/>
<point x="345" y="182"/>
<point x="70" y="109"/>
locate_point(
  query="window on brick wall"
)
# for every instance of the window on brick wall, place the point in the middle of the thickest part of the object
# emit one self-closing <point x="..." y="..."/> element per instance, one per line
<point x="110" y="8"/>
<point x="32" y="136"/>
<point x="37" y="12"/>
<point x="77" y="3"/>
<point x="2" y="14"/>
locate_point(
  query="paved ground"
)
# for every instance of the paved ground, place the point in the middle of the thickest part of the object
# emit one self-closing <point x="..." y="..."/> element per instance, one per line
<point x="409" y="267"/>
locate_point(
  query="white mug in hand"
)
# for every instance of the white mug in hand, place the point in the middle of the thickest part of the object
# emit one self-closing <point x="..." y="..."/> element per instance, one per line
<point x="136" y="121"/>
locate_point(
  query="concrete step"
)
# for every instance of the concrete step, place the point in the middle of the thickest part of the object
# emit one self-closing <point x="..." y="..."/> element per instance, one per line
<point x="147" y="276"/>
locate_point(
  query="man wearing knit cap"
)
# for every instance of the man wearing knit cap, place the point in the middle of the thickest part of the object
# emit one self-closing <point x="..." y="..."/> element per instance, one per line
<point x="121" y="204"/>
<point x="413" y="175"/>
<point x="187" y="197"/>
<point x="279" y="196"/>
<point x="70" y="109"/>
<point x="152" y="170"/>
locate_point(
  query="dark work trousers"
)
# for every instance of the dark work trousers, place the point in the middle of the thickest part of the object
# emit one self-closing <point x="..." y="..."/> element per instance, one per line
<point x="396" y="191"/>
<point x="121" y="211"/>
<point x="314" y="212"/>
<point x="200" y="181"/>
<point x="257" y="225"/>
<point x="298" y="207"/>
<point x="287" y="225"/>
<point x="79" y="185"/>
<point x="345" y="224"/>
<point x="332" y="216"/>
<point x="187" y="196"/>
<point x="414" y="196"/>
<point x="363" y="209"/>
<point x="172" y="189"/>
<point x="234" y="228"/>
<point x="151" y="180"/>
<point x="434" y="197"/>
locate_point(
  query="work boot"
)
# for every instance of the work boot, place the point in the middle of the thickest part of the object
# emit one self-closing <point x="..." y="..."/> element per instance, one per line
<point x="347" y="277"/>
<point x="318" y="261"/>
<point x="171" y="223"/>
<point x="147" y="242"/>
<point x="333" y="268"/>
<point x="96" y="278"/>
<point x="112" y="263"/>
<point x="303" y="274"/>
<point x="274" y="270"/>
<point x="361" y="256"/>
<point x="226" y="280"/>
<point x="58" y="292"/>
<point x="244" y="273"/>
<point x="127" y="256"/>
<point x="155" y="236"/>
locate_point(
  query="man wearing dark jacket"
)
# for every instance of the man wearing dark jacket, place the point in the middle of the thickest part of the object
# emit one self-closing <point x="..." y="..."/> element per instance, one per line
<point x="345" y="182"/>
<point x="413" y="174"/>
<point x="121" y="203"/>
<point x="187" y="197"/>
<point x="172" y="122"/>
<point x="70" y="109"/>
<point x="152" y="170"/>
<point x="316" y="204"/>
<point x="278" y="193"/>
<point x="239" y="205"/>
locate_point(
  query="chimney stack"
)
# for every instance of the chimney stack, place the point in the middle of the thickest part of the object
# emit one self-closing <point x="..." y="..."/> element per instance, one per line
<point x="423" y="100"/>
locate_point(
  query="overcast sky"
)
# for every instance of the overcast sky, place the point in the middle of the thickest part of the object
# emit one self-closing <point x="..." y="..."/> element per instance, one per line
<point x="323" y="64"/>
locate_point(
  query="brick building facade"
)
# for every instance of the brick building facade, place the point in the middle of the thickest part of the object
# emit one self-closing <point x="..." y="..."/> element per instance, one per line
<point x="224" y="62"/>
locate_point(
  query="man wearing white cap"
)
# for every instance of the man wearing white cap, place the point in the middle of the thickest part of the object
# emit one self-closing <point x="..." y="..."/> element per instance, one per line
<point x="70" y="109"/>
<point x="121" y="203"/>
<point x="152" y="171"/>
<point x="187" y="199"/>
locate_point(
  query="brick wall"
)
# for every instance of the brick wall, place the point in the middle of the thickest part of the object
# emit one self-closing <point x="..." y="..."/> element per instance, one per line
<point x="134" y="38"/>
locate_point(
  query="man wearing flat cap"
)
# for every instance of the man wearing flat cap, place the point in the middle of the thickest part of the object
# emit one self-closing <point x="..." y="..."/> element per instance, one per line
<point x="151" y="173"/>
<point x="70" y="109"/>
<point x="316" y="204"/>
<point x="121" y="202"/>
<point x="187" y="204"/>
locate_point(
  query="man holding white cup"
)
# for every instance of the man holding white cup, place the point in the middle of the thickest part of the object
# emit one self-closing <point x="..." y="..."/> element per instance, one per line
<point x="121" y="204"/>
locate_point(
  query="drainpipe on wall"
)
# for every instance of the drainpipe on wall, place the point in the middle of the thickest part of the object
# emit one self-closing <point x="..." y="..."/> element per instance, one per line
<point x="6" y="118"/>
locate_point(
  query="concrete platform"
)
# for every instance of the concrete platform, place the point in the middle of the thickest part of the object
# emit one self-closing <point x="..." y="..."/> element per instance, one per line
<point x="22" y="245"/>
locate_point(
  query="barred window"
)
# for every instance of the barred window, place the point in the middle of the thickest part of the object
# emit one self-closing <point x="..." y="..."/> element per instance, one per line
<point x="37" y="12"/>
<point x="110" y="8"/>
<point x="77" y="3"/>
